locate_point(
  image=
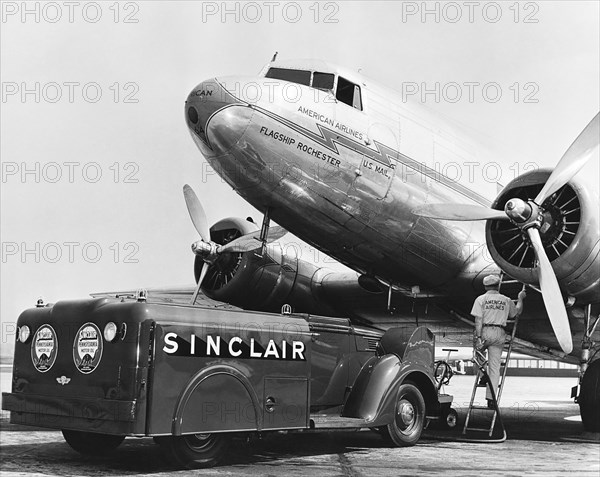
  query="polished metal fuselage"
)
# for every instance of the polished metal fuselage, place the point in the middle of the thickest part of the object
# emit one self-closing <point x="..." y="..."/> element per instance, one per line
<point x="346" y="181"/>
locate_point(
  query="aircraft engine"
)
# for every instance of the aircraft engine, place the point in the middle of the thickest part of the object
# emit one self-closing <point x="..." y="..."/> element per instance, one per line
<point x="259" y="279"/>
<point x="551" y="232"/>
<point x="569" y="234"/>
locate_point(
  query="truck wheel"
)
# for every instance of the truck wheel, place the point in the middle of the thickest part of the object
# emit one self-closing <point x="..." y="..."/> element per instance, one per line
<point x="90" y="443"/>
<point x="195" y="451"/>
<point x="589" y="398"/>
<point x="409" y="417"/>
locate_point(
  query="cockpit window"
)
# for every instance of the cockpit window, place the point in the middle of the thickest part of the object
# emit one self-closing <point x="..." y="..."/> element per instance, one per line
<point x="348" y="93"/>
<point x="323" y="81"/>
<point x="293" y="76"/>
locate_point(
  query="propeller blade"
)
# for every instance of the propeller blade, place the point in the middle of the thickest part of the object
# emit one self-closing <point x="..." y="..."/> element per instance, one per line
<point x="200" y="280"/>
<point x="459" y="212"/>
<point x="551" y="294"/>
<point x="196" y="212"/>
<point x="582" y="149"/>
<point x="252" y="240"/>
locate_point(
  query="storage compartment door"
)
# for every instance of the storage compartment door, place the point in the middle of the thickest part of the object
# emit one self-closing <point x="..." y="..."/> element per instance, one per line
<point x="285" y="403"/>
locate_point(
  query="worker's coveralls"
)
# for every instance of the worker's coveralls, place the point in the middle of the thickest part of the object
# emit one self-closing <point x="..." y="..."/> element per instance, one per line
<point x="494" y="309"/>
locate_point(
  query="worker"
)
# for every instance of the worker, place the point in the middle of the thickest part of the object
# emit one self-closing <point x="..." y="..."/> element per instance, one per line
<point x="491" y="312"/>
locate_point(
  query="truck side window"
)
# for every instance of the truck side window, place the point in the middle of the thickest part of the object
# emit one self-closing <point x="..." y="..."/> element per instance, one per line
<point x="348" y="93"/>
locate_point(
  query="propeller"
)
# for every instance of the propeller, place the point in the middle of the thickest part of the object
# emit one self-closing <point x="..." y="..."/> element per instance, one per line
<point x="581" y="151"/>
<point x="459" y="212"/>
<point x="200" y="222"/>
<point x="551" y="293"/>
<point x="527" y="216"/>
<point x="196" y="212"/>
<point x="252" y="241"/>
<point x="209" y="250"/>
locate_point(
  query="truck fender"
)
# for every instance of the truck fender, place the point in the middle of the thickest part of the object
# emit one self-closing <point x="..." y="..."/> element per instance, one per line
<point x="373" y="396"/>
<point x="217" y="398"/>
<point x="408" y="358"/>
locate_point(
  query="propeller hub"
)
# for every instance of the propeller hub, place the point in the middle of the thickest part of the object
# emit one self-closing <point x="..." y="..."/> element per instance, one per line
<point x="204" y="249"/>
<point x="518" y="210"/>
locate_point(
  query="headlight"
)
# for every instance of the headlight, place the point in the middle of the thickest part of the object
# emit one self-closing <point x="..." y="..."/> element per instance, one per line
<point x="24" y="333"/>
<point x="110" y="331"/>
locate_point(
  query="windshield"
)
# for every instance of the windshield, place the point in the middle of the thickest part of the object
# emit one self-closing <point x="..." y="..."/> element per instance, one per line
<point x="346" y="92"/>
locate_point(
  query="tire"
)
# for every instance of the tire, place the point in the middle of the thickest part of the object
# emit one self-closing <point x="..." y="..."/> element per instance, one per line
<point x="90" y="443"/>
<point x="589" y="398"/>
<point x="450" y="419"/>
<point x="195" y="451"/>
<point x="409" y="417"/>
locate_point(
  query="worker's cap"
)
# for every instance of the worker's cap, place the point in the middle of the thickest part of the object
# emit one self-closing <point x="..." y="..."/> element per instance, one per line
<point x="491" y="280"/>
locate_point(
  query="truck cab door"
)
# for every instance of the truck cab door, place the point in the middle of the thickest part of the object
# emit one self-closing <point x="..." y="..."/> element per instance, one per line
<point x="329" y="370"/>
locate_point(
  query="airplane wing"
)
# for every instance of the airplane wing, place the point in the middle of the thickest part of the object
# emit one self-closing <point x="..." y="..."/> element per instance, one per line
<point x="370" y="304"/>
<point x="449" y="316"/>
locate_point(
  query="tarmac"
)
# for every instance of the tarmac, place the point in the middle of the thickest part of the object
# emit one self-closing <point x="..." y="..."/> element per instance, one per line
<point x="545" y="437"/>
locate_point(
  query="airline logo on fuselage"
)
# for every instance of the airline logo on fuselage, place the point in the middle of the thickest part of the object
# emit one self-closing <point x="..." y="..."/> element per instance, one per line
<point x="233" y="347"/>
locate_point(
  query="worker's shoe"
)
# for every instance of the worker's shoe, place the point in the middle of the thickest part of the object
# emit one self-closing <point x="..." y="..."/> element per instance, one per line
<point x="490" y="404"/>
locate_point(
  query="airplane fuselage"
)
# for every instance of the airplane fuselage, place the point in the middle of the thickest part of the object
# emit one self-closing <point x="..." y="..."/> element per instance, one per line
<point x="345" y="177"/>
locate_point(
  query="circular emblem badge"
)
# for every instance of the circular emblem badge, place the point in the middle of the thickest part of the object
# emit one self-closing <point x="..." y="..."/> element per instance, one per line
<point x="87" y="348"/>
<point x="44" y="348"/>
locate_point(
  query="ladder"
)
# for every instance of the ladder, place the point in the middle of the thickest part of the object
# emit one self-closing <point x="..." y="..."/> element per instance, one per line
<point x="480" y="360"/>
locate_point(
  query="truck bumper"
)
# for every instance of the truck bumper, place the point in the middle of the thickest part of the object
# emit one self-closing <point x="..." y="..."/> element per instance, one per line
<point x="107" y="416"/>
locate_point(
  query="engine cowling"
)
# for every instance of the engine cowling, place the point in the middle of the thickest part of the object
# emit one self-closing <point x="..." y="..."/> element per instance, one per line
<point x="260" y="281"/>
<point x="569" y="234"/>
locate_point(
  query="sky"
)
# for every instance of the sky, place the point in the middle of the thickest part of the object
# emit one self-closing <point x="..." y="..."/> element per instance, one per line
<point x="95" y="150"/>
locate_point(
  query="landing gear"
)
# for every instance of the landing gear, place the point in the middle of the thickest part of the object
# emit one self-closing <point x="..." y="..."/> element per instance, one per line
<point x="90" y="443"/>
<point x="195" y="450"/>
<point x="409" y="419"/>
<point x="589" y="391"/>
<point x="449" y="419"/>
<point x="589" y="398"/>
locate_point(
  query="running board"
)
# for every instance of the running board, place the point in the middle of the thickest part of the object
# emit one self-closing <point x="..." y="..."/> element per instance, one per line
<point x="332" y="421"/>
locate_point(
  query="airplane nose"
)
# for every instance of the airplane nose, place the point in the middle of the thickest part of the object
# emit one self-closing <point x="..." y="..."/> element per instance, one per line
<point x="202" y="102"/>
<point x="206" y="108"/>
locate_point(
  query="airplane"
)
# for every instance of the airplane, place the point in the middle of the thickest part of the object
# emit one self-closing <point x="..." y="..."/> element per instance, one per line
<point x="348" y="167"/>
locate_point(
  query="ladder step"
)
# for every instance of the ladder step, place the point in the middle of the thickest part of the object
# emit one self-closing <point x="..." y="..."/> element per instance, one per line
<point x="483" y="408"/>
<point x="477" y="429"/>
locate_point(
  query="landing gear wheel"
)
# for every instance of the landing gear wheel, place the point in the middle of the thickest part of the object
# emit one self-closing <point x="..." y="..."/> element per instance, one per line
<point x="450" y="419"/>
<point x="409" y="417"/>
<point x="589" y="398"/>
<point x="90" y="443"/>
<point x="195" y="451"/>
